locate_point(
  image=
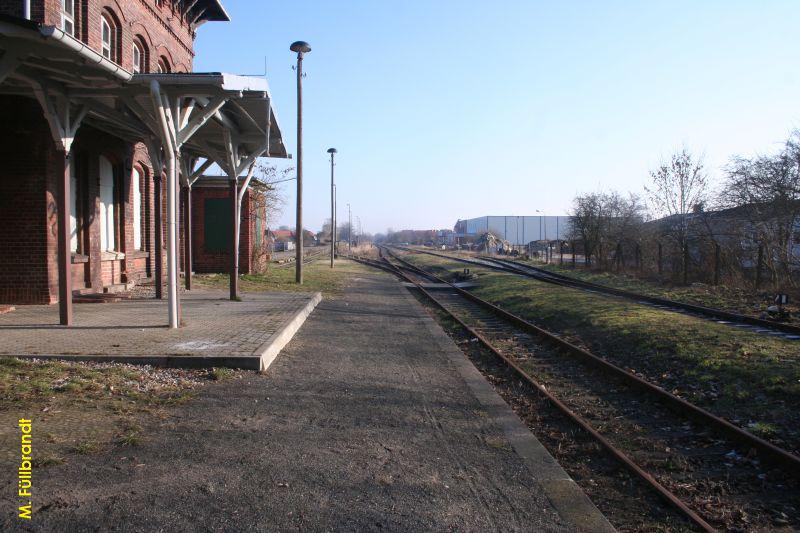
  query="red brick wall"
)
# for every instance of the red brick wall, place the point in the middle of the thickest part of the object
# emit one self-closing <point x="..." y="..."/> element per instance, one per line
<point x="204" y="261"/>
<point x="31" y="166"/>
<point x="162" y="29"/>
<point x="28" y="156"/>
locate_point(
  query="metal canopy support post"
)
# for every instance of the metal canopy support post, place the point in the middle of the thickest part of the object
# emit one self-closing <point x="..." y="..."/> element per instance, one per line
<point x="176" y="126"/>
<point x="188" y="178"/>
<point x="234" y="259"/>
<point x="154" y="151"/>
<point x="237" y="196"/>
<point x="159" y="235"/>
<point x="234" y="163"/>
<point x="63" y="127"/>
<point x="187" y="237"/>
<point x="171" y="153"/>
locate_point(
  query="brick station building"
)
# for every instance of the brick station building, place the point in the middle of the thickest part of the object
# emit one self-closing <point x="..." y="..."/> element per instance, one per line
<point x="97" y="90"/>
<point x="211" y="227"/>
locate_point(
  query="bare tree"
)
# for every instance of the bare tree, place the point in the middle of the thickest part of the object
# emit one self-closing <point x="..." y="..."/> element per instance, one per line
<point x="587" y="226"/>
<point x="680" y="187"/>
<point x="267" y="202"/>
<point x="622" y="226"/>
<point x="605" y="222"/>
<point x="767" y="189"/>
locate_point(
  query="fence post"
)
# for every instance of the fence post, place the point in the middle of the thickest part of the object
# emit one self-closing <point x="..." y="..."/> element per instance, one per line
<point x="758" y="265"/>
<point x="660" y="257"/>
<point x="685" y="263"/>
<point x="716" y="263"/>
<point x="638" y="257"/>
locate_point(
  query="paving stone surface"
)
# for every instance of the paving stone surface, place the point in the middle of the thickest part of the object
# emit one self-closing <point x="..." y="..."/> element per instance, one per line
<point x="213" y="325"/>
<point x="364" y="423"/>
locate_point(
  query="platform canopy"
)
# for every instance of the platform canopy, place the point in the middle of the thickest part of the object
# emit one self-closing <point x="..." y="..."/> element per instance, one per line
<point x="181" y="117"/>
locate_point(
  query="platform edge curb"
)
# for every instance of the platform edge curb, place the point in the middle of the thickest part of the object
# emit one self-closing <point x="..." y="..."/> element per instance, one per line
<point x="269" y="351"/>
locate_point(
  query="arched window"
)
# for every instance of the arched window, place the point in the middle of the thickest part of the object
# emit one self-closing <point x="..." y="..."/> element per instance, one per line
<point x="140" y="56"/>
<point x="163" y="65"/>
<point x="108" y="35"/>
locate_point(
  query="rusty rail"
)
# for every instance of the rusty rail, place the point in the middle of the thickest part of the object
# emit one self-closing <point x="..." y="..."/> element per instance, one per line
<point x="618" y="454"/>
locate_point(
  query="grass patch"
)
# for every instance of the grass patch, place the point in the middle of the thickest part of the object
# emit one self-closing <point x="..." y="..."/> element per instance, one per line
<point x="47" y="459"/>
<point x="745" y="377"/>
<point x="742" y="300"/>
<point x="317" y="277"/>
<point x="130" y="438"/>
<point x="24" y="384"/>
<point x="86" y="447"/>
<point x="218" y="374"/>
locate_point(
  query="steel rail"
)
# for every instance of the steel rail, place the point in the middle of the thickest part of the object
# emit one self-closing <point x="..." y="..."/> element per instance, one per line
<point x="700" y="309"/>
<point x="618" y="454"/>
<point x="570" y="282"/>
<point x="766" y="450"/>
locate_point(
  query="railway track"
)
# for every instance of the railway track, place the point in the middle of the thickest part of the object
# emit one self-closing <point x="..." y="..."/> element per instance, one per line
<point x="307" y="259"/>
<point x="699" y="464"/>
<point x="754" y="324"/>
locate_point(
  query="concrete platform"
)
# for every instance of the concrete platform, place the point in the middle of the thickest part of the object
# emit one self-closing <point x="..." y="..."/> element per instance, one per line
<point x="215" y="331"/>
<point x="371" y="419"/>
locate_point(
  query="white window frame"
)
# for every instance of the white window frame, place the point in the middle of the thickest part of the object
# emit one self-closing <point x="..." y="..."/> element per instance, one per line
<point x="137" y="52"/>
<point x="107" y="207"/>
<point x="68" y="16"/>
<point x="136" y="176"/>
<point x="73" y="210"/>
<point x="107" y="48"/>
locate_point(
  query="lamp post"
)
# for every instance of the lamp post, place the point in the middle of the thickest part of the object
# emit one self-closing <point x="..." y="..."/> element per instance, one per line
<point x="336" y="218"/>
<point x="301" y="48"/>
<point x="332" y="151"/>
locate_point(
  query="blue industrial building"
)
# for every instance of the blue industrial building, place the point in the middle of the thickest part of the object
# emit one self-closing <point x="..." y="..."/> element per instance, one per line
<point x="517" y="230"/>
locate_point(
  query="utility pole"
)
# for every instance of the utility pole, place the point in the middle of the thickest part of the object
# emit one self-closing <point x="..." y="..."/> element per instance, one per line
<point x="349" y="229"/>
<point x="336" y="218"/>
<point x="301" y="48"/>
<point x="332" y="151"/>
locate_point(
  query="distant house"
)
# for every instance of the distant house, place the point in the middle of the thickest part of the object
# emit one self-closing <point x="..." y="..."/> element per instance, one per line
<point x="283" y="240"/>
<point x="211" y="223"/>
<point x="310" y="238"/>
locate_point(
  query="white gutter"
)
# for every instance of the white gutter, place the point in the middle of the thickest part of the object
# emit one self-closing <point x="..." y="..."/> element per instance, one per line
<point x="86" y="53"/>
<point x="51" y="32"/>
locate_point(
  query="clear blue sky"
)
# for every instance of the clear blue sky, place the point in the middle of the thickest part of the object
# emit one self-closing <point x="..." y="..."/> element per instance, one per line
<point x="451" y="109"/>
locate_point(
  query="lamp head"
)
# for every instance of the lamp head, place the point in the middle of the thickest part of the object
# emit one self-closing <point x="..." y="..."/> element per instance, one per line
<point x="332" y="150"/>
<point x="301" y="47"/>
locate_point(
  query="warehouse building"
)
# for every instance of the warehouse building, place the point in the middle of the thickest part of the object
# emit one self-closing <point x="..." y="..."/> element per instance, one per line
<point x="517" y="230"/>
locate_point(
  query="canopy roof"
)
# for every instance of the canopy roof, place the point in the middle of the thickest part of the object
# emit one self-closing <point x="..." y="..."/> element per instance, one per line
<point x="199" y="11"/>
<point x="245" y="113"/>
<point x="47" y="63"/>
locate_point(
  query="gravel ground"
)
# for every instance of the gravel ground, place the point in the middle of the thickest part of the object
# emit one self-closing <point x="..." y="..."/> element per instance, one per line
<point x="361" y="424"/>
